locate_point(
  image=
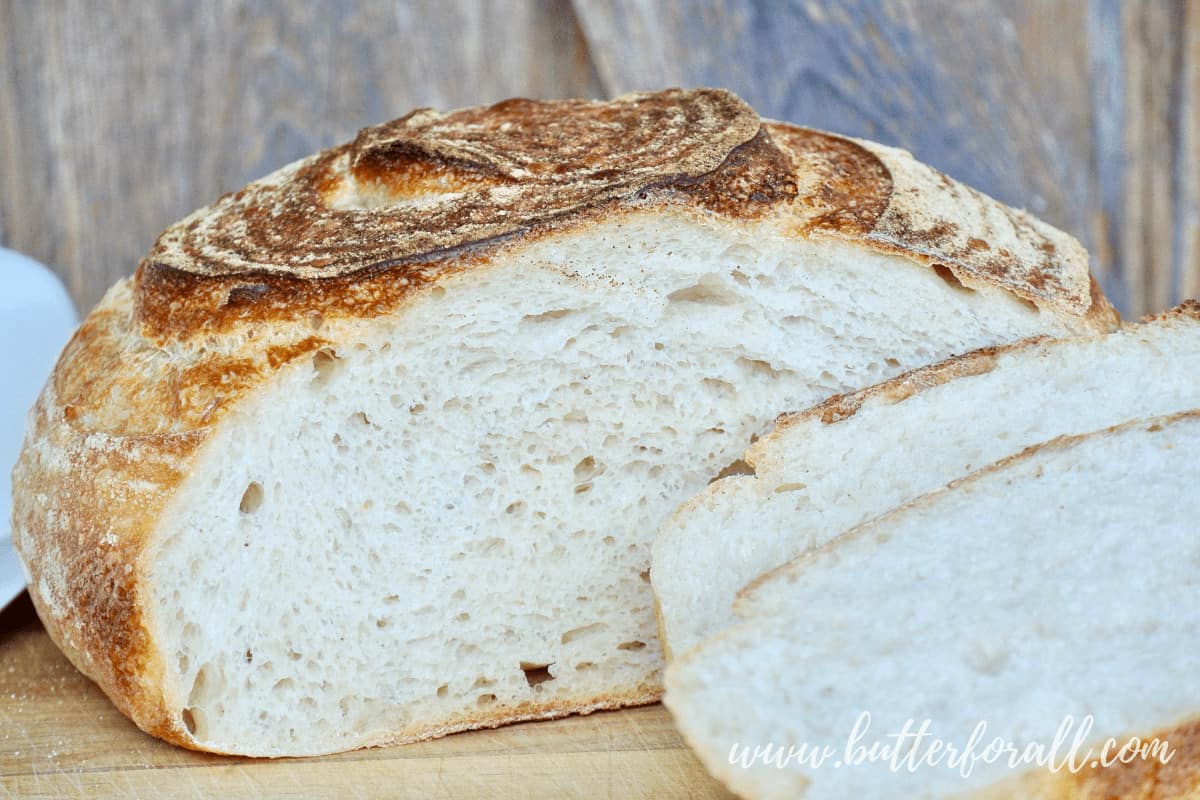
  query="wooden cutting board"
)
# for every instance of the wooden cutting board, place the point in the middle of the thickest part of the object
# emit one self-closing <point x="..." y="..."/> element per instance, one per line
<point x="60" y="738"/>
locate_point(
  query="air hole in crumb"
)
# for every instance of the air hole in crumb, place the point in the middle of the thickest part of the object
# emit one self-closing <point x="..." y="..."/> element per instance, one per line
<point x="536" y="673"/>
<point x="583" y="666"/>
<point x="189" y="721"/>
<point x="485" y="700"/>
<point x="609" y="540"/>
<point x="383" y="622"/>
<point x="718" y="386"/>
<point x="892" y="362"/>
<point x="249" y="657"/>
<point x="548" y="316"/>
<point x="481" y="682"/>
<point x="361" y="418"/>
<point x="790" y="487"/>
<point x="759" y="367"/>
<point x="709" y="291"/>
<point x="438" y="292"/>
<point x="282" y="685"/>
<point x="579" y="633"/>
<point x="252" y="498"/>
<point x="443" y="690"/>
<point x="585" y="469"/>
<point x="463" y="617"/>
<point x="738" y="467"/>
<point x="634" y="645"/>
<point x="645" y="575"/>
<point x="947" y="275"/>
<point x="513" y="508"/>
<point x="324" y="363"/>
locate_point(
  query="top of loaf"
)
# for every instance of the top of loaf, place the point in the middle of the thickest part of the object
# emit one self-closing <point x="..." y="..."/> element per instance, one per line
<point x="353" y="229"/>
<point x="429" y="182"/>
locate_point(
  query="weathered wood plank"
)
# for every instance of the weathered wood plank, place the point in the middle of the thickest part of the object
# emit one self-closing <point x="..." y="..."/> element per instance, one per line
<point x="1152" y="53"/>
<point x="121" y="116"/>
<point x="1187" y="206"/>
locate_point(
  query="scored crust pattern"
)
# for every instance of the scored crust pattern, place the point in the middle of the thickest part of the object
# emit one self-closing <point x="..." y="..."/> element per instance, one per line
<point x="428" y="182"/>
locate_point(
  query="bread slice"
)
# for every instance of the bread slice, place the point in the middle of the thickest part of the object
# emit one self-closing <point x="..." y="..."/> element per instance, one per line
<point x="1060" y="581"/>
<point x="853" y="457"/>
<point x="373" y="449"/>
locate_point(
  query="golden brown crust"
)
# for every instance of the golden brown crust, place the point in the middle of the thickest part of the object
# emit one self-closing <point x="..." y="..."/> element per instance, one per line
<point x="85" y="505"/>
<point x="405" y="201"/>
<point x="285" y="267"/>
<point x="178" y="303"/>
<point x="431" y="182"/>
<point x="895" y="390"/>
<point x="1188" y="309"/>
<point x="925" y="215"/>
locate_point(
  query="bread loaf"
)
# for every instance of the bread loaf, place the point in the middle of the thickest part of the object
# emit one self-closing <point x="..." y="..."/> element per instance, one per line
<point x="373" y="449"/>
<point x="1058" y="583"/>
<point x="853" y="457"/>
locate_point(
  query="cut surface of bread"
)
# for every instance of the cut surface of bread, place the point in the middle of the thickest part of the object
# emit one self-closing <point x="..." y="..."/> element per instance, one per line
<point x="823" y="471"/>
<point x="1061" y="581"/>
<point x="373" y="449"/>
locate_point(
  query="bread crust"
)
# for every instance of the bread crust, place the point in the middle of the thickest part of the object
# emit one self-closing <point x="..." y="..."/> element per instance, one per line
<point x="895" y="390"/>
<point x="1188" y="309"/>
<point x="292" y="263"/>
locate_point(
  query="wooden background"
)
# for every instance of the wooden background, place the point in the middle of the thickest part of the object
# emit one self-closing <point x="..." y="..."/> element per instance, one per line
<point x="119" y="116"/>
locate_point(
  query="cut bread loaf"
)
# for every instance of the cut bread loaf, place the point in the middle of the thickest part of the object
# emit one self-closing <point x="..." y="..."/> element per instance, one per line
<point x="853" y="457"/>
<point x="1060" y="581"/>
<point x="373" y="449"/>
